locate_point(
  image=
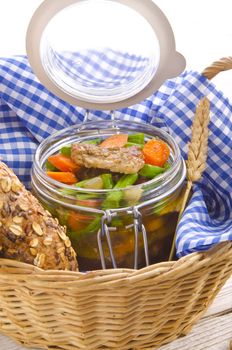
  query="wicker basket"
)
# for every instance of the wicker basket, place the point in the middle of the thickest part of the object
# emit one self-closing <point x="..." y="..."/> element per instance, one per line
<point x="112" y="309"/>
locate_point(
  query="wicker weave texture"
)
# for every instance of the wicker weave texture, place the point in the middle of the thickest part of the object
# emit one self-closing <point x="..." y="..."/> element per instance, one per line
<point x="111" y="309"/>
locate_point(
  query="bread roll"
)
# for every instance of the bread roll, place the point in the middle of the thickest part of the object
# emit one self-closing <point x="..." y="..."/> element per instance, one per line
<point x="28" y="233"/>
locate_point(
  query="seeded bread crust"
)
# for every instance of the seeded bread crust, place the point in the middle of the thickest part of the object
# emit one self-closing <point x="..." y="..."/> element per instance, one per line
<point x="28" y="232"/>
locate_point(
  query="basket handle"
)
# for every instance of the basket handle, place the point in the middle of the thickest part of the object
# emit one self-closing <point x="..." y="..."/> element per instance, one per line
<point x="216" y="67"/>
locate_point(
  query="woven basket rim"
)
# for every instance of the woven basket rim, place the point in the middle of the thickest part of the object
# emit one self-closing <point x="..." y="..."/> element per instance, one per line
<point x="168" y="270"/>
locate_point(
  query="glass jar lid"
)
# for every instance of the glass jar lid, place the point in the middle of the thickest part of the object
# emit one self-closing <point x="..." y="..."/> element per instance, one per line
<point x="102" y="54"/>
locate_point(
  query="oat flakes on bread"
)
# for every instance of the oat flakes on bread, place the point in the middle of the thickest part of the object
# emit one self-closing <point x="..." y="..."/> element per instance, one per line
<point x="28" y="233"/>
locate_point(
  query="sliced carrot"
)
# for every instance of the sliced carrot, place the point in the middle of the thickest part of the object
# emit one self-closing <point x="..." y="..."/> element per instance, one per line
<point x="118" y="140"/>
<point x="64" y="177"/>
<point x="78" y="221"/>
<point x="156" y="152"/>
<point x="63" y="163"/>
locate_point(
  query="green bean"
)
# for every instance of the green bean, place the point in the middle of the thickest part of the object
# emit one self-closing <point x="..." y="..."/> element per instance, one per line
<point x="94" y="226"/>
<point x="136" y="138"/>
<point x="107" y="181"/>
<point x="113" y="198"/>
<point x="50" y="167"/>
<point x="126" y="180"/>
<point x="66" y="151"/>
<point x="151" y="171"/>
<point x="68" y="192"/>
<point x="80" y="196"/>
<point x="81" y="183"/>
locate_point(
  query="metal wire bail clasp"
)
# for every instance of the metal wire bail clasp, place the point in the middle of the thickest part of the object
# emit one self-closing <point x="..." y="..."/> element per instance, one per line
<point x="105" y="231"/>
<point x="139" y="229"/>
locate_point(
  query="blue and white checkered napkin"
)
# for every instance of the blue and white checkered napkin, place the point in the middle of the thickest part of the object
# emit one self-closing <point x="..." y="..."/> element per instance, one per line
<point x="29" y="113"/>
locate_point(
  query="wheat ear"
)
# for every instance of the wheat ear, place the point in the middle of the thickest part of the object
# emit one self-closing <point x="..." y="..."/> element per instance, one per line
<point x="197" y="154"/>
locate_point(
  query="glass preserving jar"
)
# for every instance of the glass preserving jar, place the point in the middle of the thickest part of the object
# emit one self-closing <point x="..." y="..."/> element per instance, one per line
<point x="136" y="232"/>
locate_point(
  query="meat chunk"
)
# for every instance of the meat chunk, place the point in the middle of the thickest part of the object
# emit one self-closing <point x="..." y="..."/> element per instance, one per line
<point x="122" y="160"/>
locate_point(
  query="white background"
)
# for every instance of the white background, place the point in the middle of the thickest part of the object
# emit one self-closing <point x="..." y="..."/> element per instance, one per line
<point x="202" y="28"/>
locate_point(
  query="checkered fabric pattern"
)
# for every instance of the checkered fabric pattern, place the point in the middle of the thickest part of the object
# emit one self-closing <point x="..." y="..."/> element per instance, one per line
<point x="95" y="69"/>
<point x="29" y="113"/>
